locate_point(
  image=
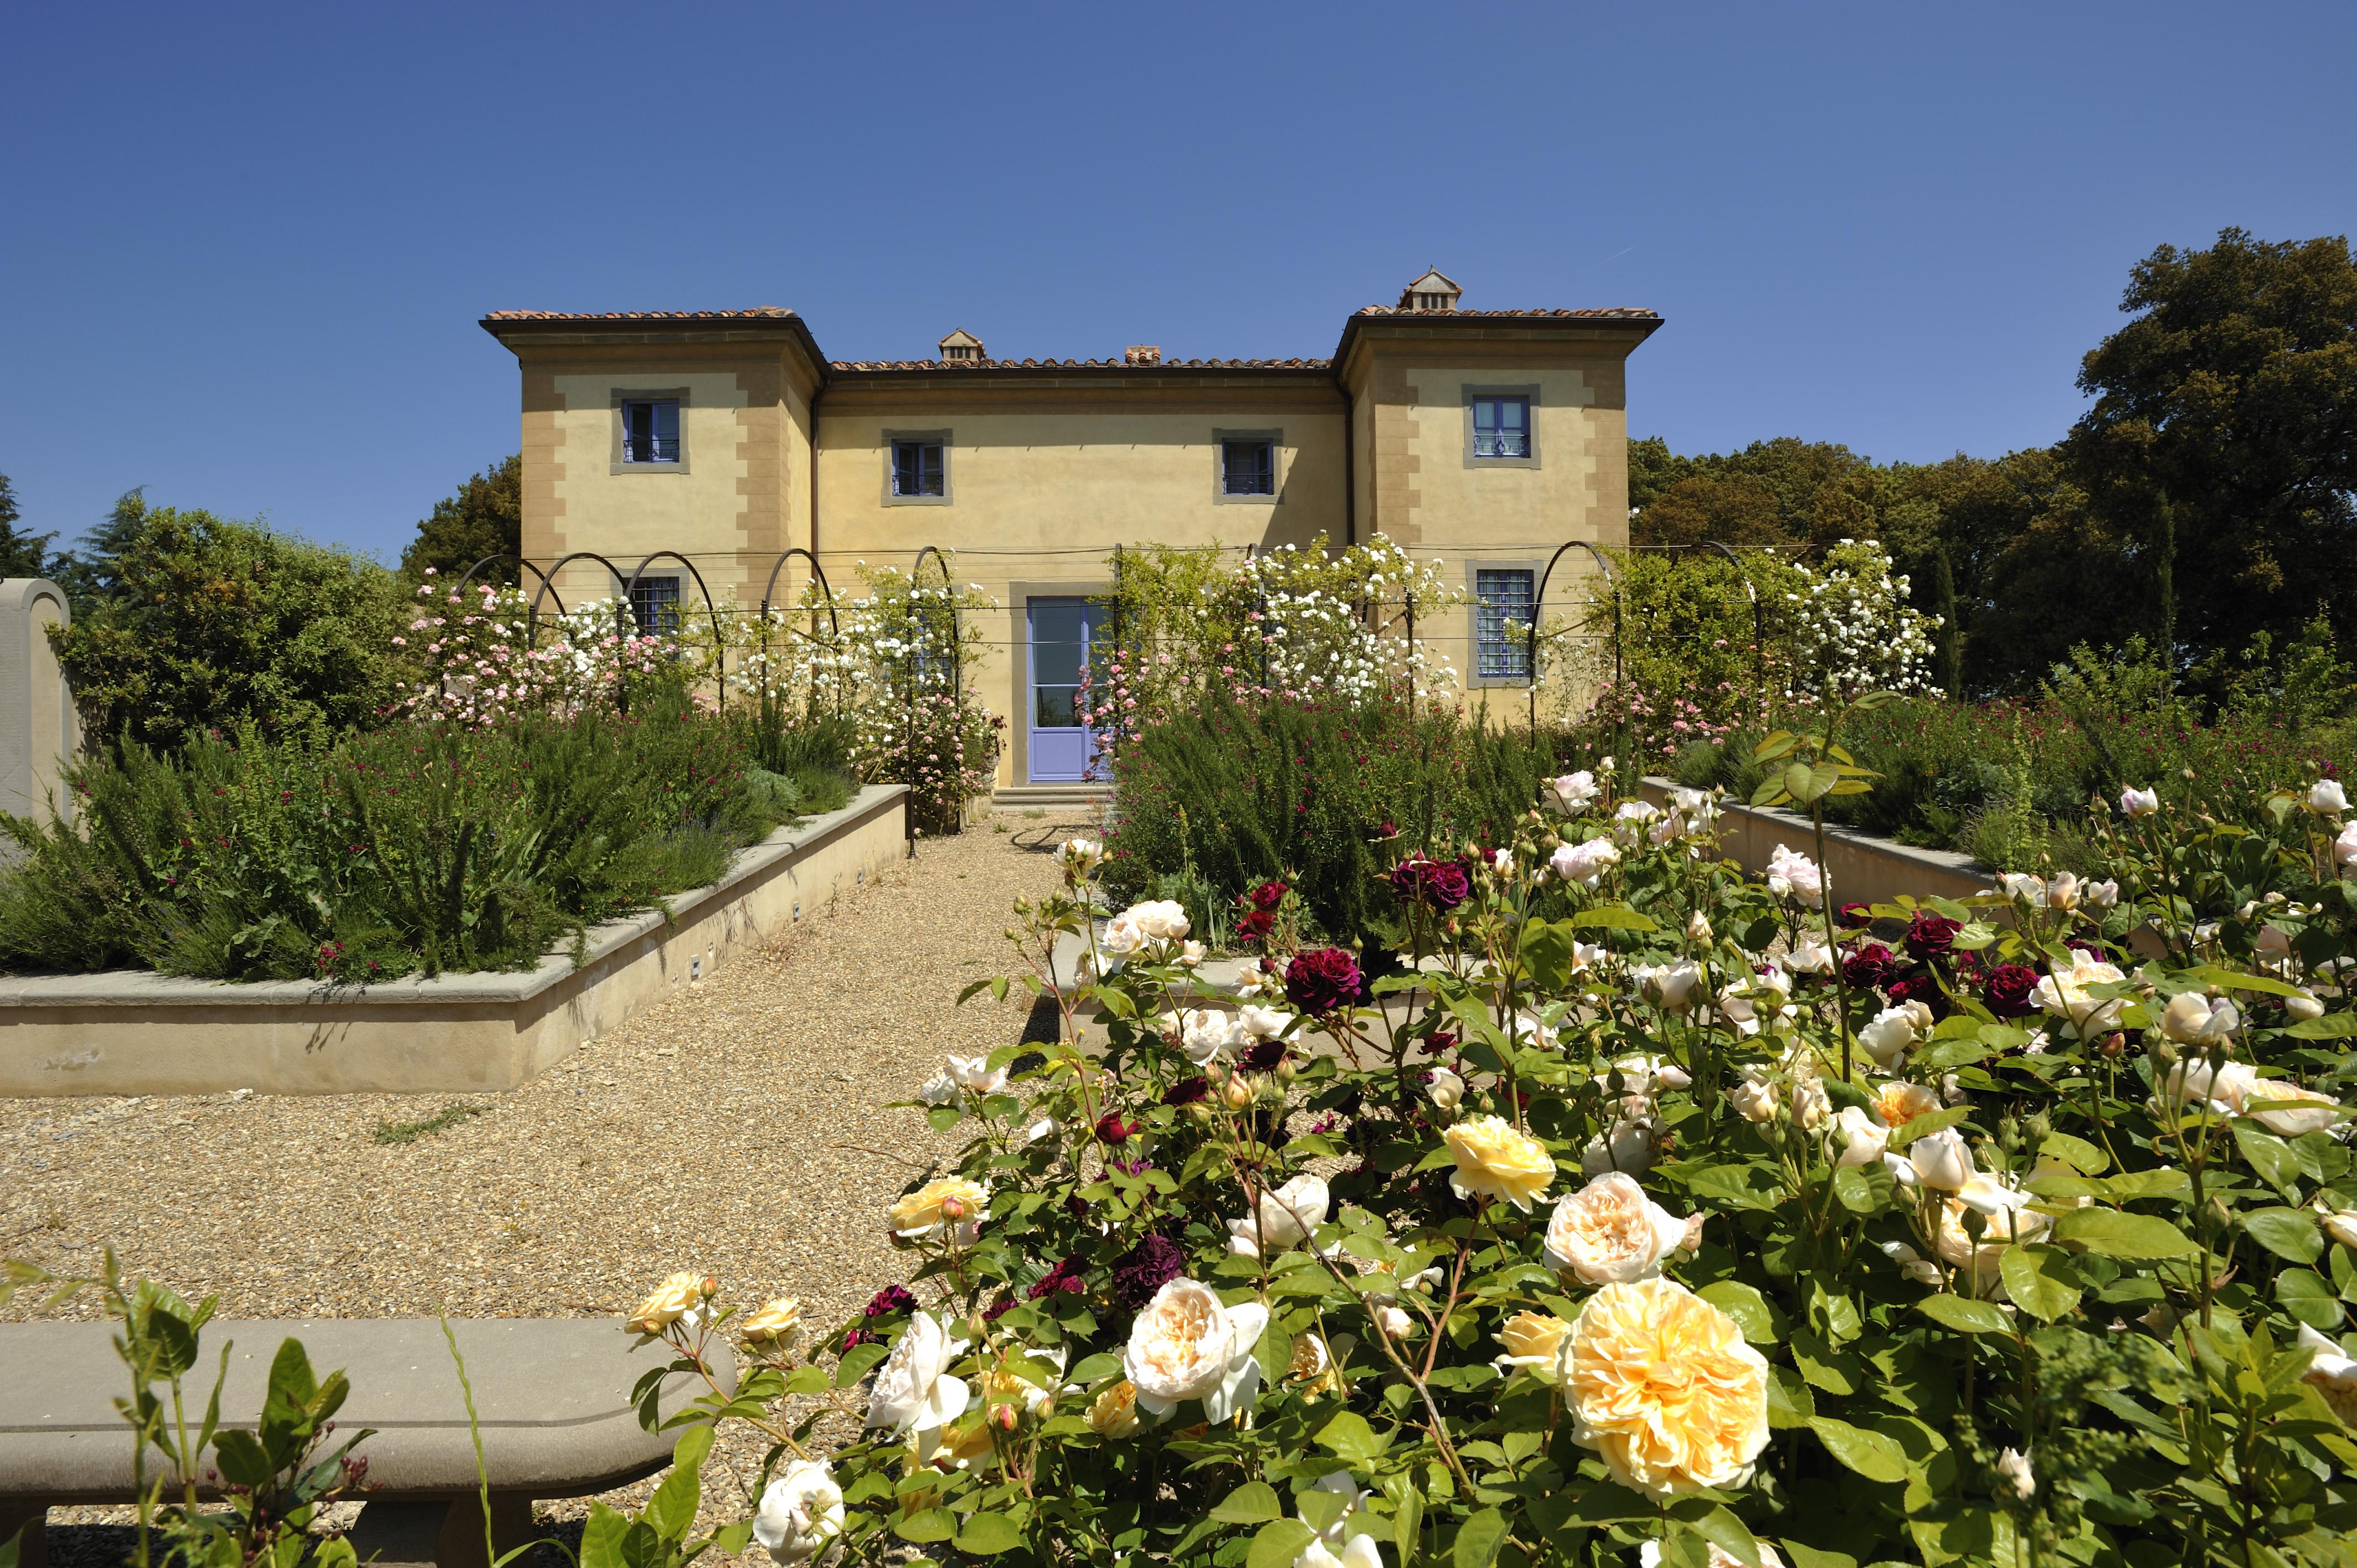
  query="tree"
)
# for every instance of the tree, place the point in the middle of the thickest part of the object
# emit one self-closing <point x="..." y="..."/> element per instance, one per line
<point x="211" y="621"/>
<point x="1734" y="510"/>
<point x="92" y="572"/>
<point x="485" y="518"/>
<point x="2222" y="446"/>
<point x="21" y="554"/>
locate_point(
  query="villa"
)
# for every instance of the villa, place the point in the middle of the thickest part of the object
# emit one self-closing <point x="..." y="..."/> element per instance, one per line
<point x="1486" y="439"/>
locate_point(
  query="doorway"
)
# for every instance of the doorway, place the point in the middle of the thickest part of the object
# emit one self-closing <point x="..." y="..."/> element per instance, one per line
<point x="1062" y="637"/>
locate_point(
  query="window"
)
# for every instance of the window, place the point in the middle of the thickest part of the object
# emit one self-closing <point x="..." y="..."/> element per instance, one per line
<point x="1248" y="467"/>
<point x="1501" y="427"/>
<point x="1501" y="620"/>
<point x="650" y="431"/>
<point x="917" y="469"/>
<point x="654" y="603"/>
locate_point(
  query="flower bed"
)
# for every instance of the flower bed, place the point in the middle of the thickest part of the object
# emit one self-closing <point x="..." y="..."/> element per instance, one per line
<point x="1675" y="1216"/>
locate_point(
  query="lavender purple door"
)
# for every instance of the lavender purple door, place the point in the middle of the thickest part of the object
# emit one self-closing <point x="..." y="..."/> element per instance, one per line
<point x="1061" y="633"/>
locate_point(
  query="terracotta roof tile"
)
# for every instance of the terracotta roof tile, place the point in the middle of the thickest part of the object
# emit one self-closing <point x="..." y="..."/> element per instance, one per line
<point x="760" y="312"/>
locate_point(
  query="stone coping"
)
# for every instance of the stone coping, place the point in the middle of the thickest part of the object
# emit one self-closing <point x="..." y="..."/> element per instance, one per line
<point x="146" y="988"/>
<point x="1867" y="868"/>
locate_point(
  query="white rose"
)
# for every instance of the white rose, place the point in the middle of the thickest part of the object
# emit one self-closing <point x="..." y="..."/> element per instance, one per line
<point x="1639" y="1076"/>
<point x="2344" y="848"/>
<point x="1286" y="1217"/>
<point x="1265" y="1022"/>
<point x="914" y="1391"/>
<point x="1355" y="1497"/>
<point x="1207" y="1034"/>
<point x="1162" y="919"/>
<point x="1675" y="988"/>
<point x="1941" y="1160"/>
<point x="2136" y="802"/>
<point x="2285" y="1108"/>
<point x="1081" y="854"/>
<point x="2193" y="1019"/>
<point x="1754" y="1099"/>
<point x="2014" y="1465"/>
<point x="939" y="1091"/>
<point x="2326" y="797"/>
<point x="1791" y="875"/>
<point x="1912" y="1263"/>
<point x="2064" y="994"/>
<point x="2303" y="1006"/>
<point x="1630" y="1146"/>
<point x="1609" y="1230"/>
<point x="1124" y="938"/>
<point x="1446" y="1090"/>
<point x="1358" y="1552"/>
<point x="1189" y="1345"/>
<point x="2104" y="895"/>
<point x="1586" y="863"/>
<point x="799" y="1513"/>
<point x="2331" y="1373"/>
<point x="1887" y="1037"/>
<point x="976" y="1074"/>
<point x="1394" y="1321"/>
<point x="1576" y="791"/>
<point x="2020" y="885"/>
<point x="2340" y="1224"/>
<point x="2063" y="892"/>
<point x="1810" y="958"/>
<point x="1811" y="1104"/>
<point x="1861" y="1137"/>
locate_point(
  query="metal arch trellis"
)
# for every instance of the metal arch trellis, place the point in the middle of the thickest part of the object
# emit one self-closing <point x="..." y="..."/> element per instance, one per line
<point x="949" y="598"/>
<point x="719" y="638"/>
<point x="1538" y="599"/>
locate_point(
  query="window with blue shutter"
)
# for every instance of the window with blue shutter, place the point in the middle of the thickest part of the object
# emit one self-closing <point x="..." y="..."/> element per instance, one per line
<point x="1501" y="620"/>
<point x="650" y="431"/>
<point x="1501" y="427"/>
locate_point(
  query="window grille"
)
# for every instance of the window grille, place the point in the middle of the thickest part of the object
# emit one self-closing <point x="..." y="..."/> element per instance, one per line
<point x="650" y="432"/>
<point x="655" y="603"/>
<point x="917" y="469"/>
<point x="1501" y="620"/>
<point x="1501" y="427"/>
<point x="1248" y="467"/>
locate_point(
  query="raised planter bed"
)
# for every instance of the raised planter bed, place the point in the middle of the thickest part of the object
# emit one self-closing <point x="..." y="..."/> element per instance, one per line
<point x="1865" y="867"/>
<point x="135" y="1032"/>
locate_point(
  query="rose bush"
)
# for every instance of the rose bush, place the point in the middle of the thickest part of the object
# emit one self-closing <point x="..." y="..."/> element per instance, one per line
<point x="1647" y="1214"/>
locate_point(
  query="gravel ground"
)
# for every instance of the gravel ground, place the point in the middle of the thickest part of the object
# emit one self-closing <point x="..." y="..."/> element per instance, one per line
<point x="737" y="1128"/>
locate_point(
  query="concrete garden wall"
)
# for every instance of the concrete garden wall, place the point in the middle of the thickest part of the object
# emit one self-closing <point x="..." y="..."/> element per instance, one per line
<point x="140" y="1033"/>
<point x="1865" y="867"/>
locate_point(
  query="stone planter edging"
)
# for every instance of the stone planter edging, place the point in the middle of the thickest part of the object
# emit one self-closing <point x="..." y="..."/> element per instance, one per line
<point x="1866" y="868"/>
<point x="136" y="1032"/>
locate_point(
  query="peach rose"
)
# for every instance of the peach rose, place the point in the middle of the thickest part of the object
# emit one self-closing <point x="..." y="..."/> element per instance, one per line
<point x="923" y="1212"/>
<point x="1662" y="1387"/>
<point x="677" y="1298"/>
<point x="1899" y="1104"/>
<point x="775" y="1323"/>
<point x="1610" y="1231"/>
<point x="1113" y="1414"/>
<point x="1495" y="1161"/>
<point x="2284" y="1107"/>
<point x="1532" y="1339"/>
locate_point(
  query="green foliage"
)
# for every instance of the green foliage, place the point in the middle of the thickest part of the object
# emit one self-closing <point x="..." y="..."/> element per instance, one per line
<point x="92" y="572"/>
<point x="210" y="623"/>
<point x="259" y="856"/>
<point x="22" y="555"/>
<point x="449" y="1116"/>
<point x="483" y="518"/>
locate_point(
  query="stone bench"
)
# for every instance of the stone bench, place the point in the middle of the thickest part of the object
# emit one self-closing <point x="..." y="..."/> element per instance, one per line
<point x="553" y="1396"/>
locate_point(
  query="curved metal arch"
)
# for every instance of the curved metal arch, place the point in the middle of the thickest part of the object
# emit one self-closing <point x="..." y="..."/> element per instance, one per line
<point x="548" y="582"/>
<point x="1538" y="600"/>
<point x="957" y="630"/>
<point x="711" y="610"/>
<point x="769" y="589"/>
<point x="520" y="561"/>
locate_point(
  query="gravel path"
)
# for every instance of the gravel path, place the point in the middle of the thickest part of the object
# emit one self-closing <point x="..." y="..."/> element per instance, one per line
<point x="737" y="1128"/>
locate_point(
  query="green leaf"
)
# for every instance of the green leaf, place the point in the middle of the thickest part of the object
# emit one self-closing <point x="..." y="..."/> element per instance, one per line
<point x="930" y="1525"/>
<point x="1103" y="1364"/>
<point x="856" y="1363"/>
<point x="1349" y="1435"/>
<point x="1479" y="1538"/>
<point x="1547" y="952"/>
<point x="1407" y="1524"/>
<point x="1802" y="1555"/>
<point x="1254" y="1502"/>
<point x="1929" y="1122"/>
<point x="1278" y="1543"/>
<point x="1744" y="1303"/>
<point x="1870" y="1454"/>
<point x="2268" y="1154"/>
<point x="1864" y="1189"/>
<point x="243" y="1460"/>
<point x="671" y="1512"/>
<point x="2287" y="1232"/>
<point x="2112" y="1234"/>
<point x="601" y="1537"/>
<point x="1964" y="1314"/>
<point x="1612" y="918"/>
<point x="1273" y="1351"/>
<point x="1725" y="1532"/>
<point x="2235" y="979"/>
<point x="2040" y="1280"/>
<point x="2077" y="1153"/>
<point x="2304" y="1293"/>
<point x="2331" y="1026"/>
<point x="987" y="1534"/>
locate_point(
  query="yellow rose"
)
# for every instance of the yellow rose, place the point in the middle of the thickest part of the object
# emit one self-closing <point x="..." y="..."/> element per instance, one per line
<point x="1532" y="1339"/>
<point x="1662" y="1387"/>
<point x="1495" y="1161"/>
<point x="1312" y="1373"/>
<point x="675" y="1299"/>
<point x="923" y="1212"/>
<point x="775" y="1323"/>
<point x="1114" y="1411"/>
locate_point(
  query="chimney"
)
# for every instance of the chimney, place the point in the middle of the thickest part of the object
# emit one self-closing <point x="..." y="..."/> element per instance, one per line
<point x="1435" y="290"/>
<point x="962" y="347"/>
<point x="1142" y="354"/>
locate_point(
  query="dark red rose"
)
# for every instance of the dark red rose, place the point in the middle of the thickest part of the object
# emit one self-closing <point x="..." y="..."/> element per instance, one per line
<point x="1919" y="985"/>
<point x="1145" y="1268"/>
<point x="1870" y="967"/>
<point x="1855" y="917"/>
<point x="891" y="1299"/>
<point x="1187" y="1090"/>
<point x="1441" y="1040"/>
<point x="1113" y="1129"/>
<point x="1324" y="979"/>
<point x="2008" y="993"/>
<point x="1264" y="1055"/>
<point x="998" y="1309"/>
<point x="1269" y="895"/>
<point x="1440" y="883"/>
<point x="1254" y="925"/>
<point x="859" y="1337"/>
<point x="1930" y="936"/>
<point x="1064" y="1278"/>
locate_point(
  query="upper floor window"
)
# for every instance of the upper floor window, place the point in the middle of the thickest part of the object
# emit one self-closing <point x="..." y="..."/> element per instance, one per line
<point x="650" y="431"/>
<point x="1248" y="467"/>
<point x="917" y="469"/>
<point x="655" y="603"/>
<point x="1501" y="427"/>
<point x="1501" y="620"/>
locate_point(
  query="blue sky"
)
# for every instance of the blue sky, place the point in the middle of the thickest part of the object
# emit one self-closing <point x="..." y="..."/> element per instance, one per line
<point x="243" y="249"/>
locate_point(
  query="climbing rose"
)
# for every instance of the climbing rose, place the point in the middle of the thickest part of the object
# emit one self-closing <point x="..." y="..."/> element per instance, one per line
<point x="1324" y="979"/>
